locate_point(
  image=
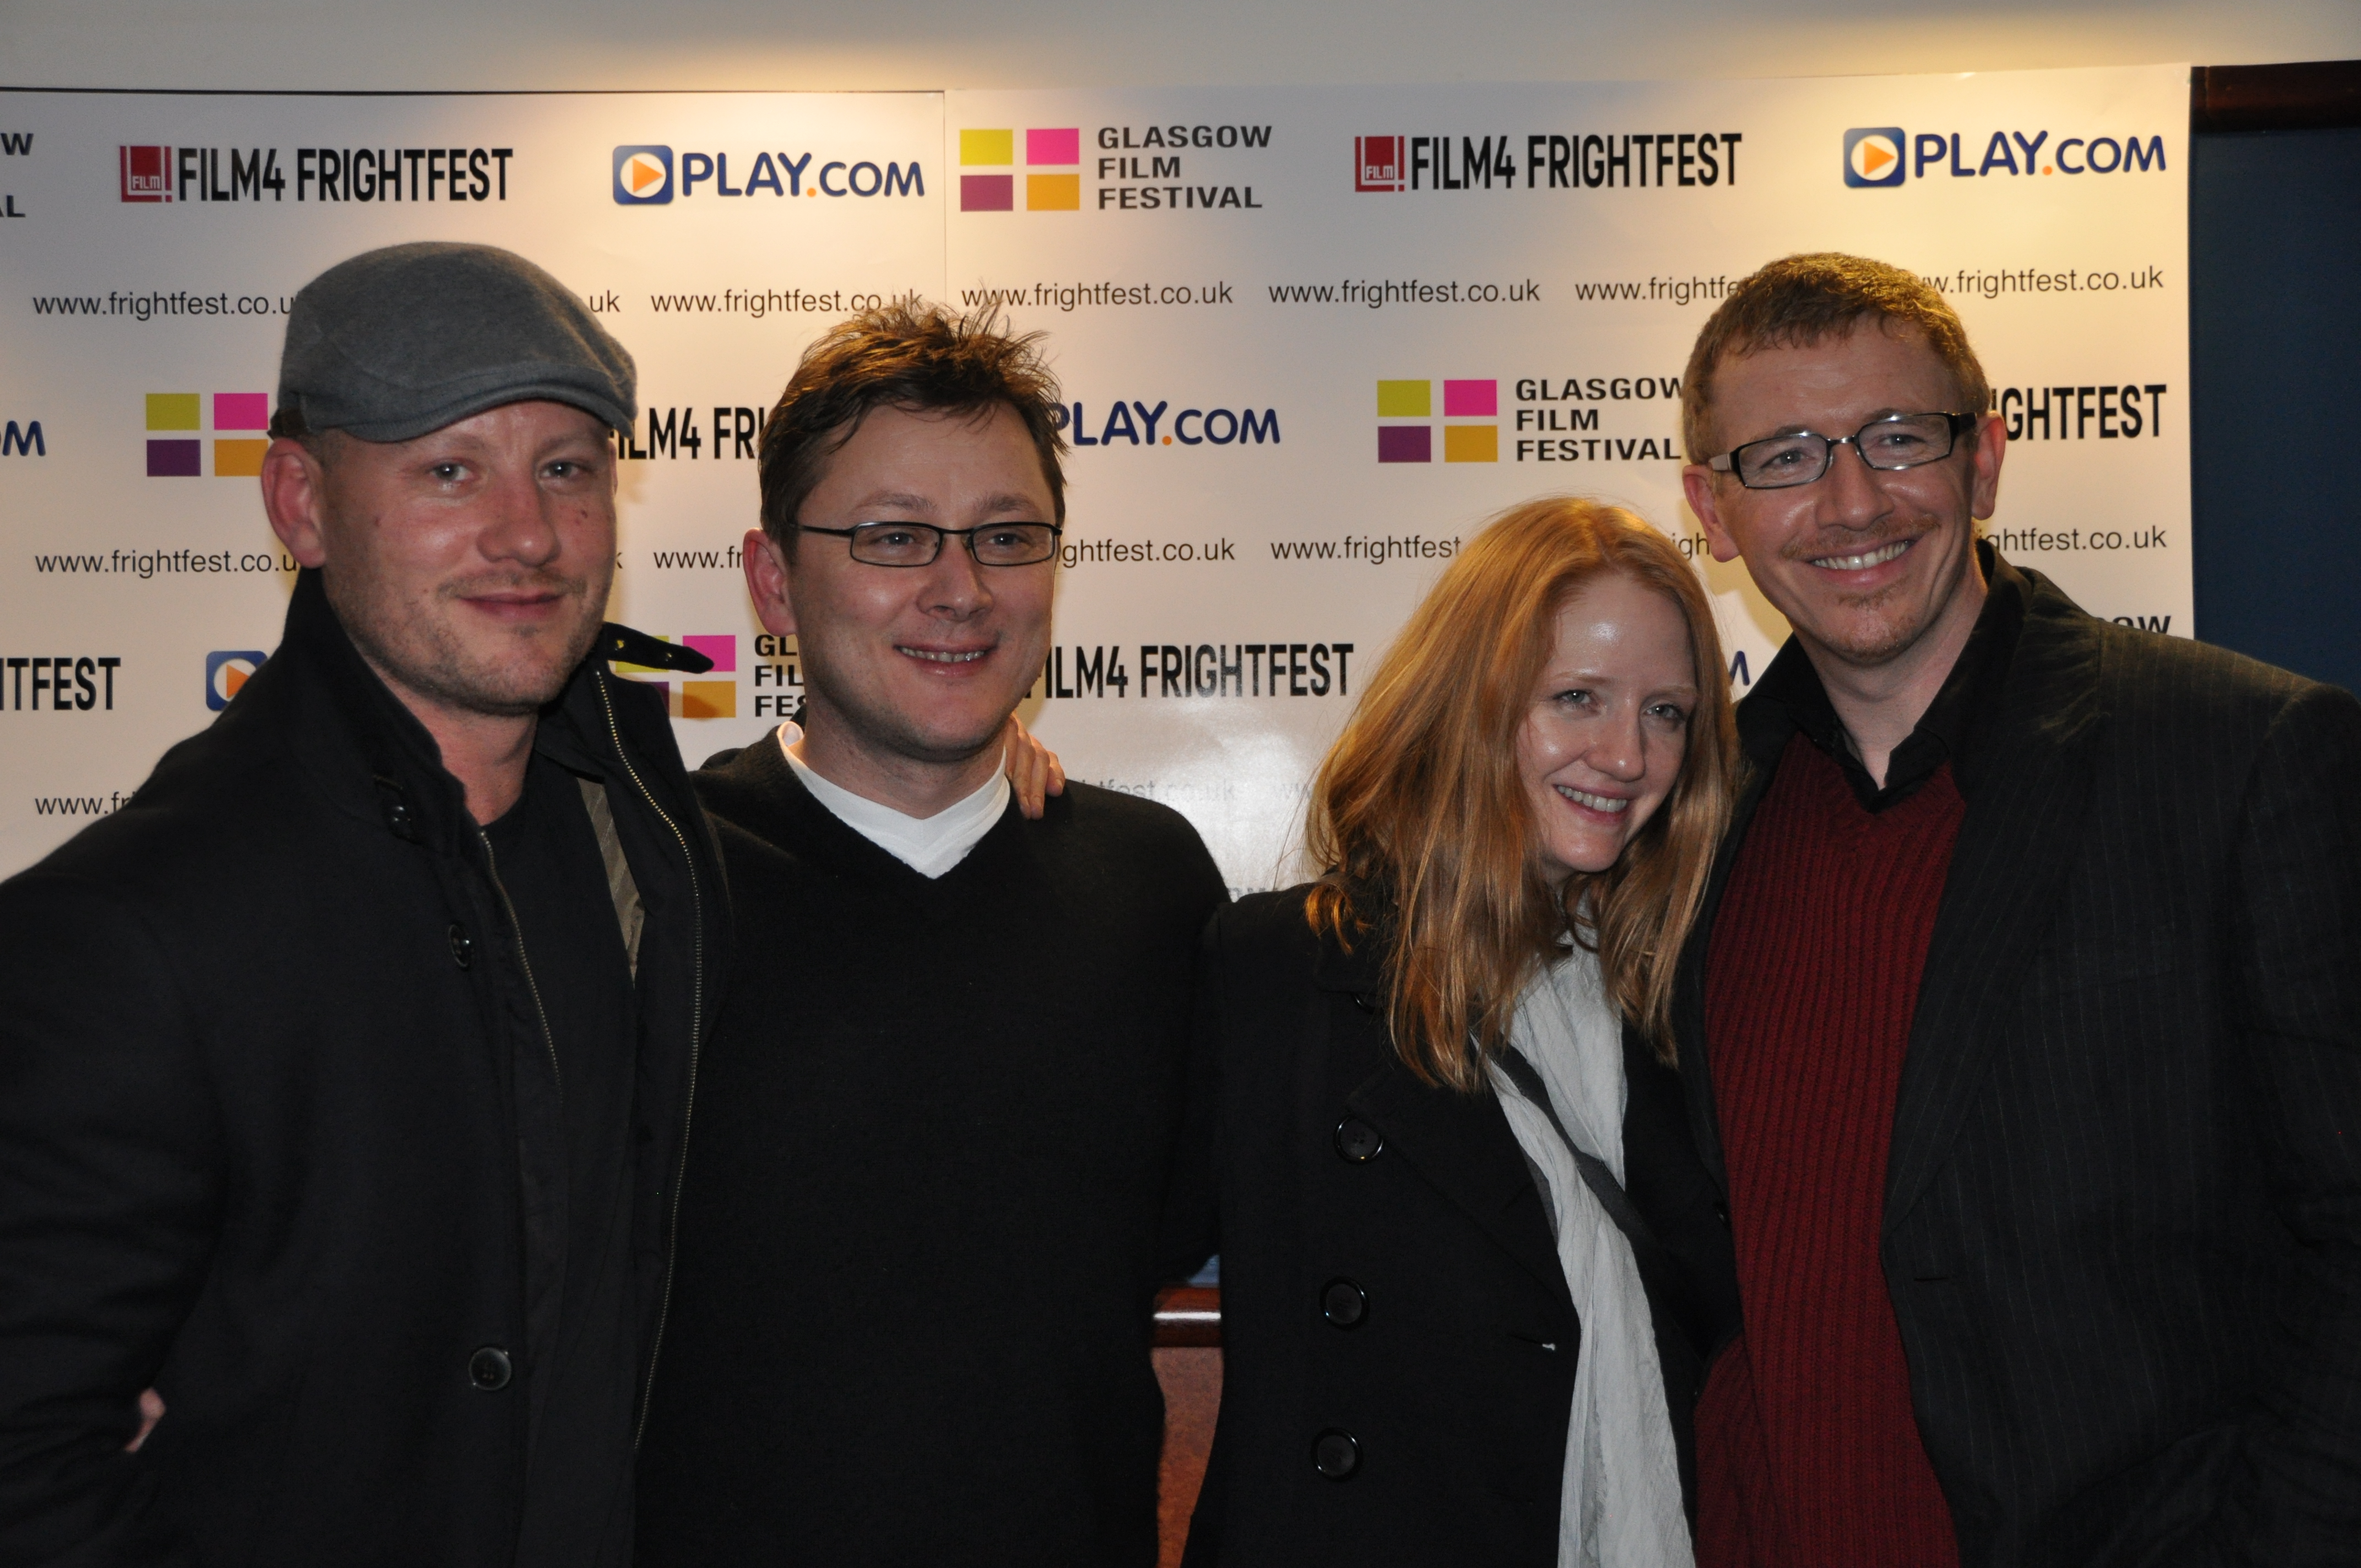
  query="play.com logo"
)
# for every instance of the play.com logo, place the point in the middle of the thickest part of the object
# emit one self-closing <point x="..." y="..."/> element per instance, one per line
<point x="642" y="176"/>
<point x="1872" y="155"/>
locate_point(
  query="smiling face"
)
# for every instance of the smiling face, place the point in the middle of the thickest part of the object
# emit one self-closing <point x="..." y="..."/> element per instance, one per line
<point x="1604" y="736"/>
<point x="469" y="566"/>
<point x="1868" y="566"/>
<point x="919" y="664"/>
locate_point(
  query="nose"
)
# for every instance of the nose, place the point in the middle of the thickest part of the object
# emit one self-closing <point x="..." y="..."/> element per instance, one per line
<point x="1620" y="749"/>
<point x="955" y="586"/>
<point x="520" y="527"/>
<point x="1849" y="491"/>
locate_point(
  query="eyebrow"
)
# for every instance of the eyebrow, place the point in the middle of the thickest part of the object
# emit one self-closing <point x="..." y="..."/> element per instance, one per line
<point x="902" y="500"/>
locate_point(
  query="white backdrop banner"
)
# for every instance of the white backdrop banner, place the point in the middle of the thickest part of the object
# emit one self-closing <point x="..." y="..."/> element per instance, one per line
<point x="1310" y="339"/>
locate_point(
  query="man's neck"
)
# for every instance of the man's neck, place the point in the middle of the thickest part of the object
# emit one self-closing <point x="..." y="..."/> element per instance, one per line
<point x="487" y="754"/>
<point x="913" y="787"/>
<point x="1879" y="705"/>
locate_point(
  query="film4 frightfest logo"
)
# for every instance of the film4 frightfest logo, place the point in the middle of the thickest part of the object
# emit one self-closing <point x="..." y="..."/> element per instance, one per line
<point x="1377" y="163"/>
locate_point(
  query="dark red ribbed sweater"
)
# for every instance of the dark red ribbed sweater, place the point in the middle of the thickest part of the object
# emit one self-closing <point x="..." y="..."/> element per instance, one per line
<point x="1808" y="1453"/>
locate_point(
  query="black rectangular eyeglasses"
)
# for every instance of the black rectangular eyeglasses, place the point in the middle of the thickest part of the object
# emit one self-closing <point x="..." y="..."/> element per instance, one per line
<point x="1895" y="442"/>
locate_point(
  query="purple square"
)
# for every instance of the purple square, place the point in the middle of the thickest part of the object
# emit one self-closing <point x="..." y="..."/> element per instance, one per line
<point x="987" y="192"/>
<point x="1405" y="444"/>
<point x="176" y="459"/>
<point x="1471" y="400"/>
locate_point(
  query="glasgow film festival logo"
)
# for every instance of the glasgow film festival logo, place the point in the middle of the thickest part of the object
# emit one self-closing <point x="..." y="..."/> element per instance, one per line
<point x="1872" y="155"/>
<point x="642" y="176"/>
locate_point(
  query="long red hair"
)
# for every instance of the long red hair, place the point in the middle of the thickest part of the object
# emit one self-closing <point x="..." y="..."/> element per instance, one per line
<point x="1418" y="813"/>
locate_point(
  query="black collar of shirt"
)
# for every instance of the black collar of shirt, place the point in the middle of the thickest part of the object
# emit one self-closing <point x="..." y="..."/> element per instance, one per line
<point x="1790" y="698"/>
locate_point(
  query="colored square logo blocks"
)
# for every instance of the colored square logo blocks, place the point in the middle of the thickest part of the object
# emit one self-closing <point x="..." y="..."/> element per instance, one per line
<point x="1462" y="400"/>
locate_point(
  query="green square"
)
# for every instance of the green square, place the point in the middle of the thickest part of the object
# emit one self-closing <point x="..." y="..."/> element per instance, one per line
<point x="1405" y="399"/>
<point x="172" y="411"/>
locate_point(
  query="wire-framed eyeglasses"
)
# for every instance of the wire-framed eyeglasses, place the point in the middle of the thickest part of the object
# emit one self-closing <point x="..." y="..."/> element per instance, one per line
<point x="919" y="543"/>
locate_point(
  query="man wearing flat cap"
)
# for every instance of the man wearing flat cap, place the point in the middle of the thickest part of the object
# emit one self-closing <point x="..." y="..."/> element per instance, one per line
<point x="360" y="1159"/>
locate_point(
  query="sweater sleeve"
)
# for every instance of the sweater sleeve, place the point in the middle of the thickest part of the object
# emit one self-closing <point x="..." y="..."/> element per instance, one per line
<point x="2296" y="940"/>
<point x="107" y="1201"/>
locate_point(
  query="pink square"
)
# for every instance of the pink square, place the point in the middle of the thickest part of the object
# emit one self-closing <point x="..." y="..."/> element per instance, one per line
<point x="722" y="650"/>
<point x="1471" y="400"/>
<point x="241" y="410"/>
<point x="1054" y="146"/>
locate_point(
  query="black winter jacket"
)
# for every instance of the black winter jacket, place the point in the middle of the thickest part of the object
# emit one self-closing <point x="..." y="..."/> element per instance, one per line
<point x="1399" y="1343"/>
<point x="262" y="1139"/>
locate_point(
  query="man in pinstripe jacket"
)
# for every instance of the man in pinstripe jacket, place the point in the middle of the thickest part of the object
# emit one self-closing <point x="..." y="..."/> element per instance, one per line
<point x="2023" y="1029"/>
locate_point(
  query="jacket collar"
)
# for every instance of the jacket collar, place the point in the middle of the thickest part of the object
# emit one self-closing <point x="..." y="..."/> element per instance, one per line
<point x="374" y="758"/>
<point x="362" y="747"/>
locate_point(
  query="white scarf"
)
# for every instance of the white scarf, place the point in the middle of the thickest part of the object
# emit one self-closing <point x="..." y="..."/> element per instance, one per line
<point x="1621" y="1503"/>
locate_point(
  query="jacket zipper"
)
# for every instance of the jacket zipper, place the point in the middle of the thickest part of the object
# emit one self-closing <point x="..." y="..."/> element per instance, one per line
<point x="696" y="1033"/>
<point x="548" y="1040"/>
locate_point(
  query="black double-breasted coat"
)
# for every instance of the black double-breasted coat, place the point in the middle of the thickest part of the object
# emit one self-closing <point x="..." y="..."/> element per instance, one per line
<point x="1397" y="1339"/>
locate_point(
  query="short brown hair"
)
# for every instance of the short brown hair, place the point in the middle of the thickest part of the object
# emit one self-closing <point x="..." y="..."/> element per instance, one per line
<point x="1799" y="300"/>
<point x="907" y="355"/>
<point x="1419" y="815"/>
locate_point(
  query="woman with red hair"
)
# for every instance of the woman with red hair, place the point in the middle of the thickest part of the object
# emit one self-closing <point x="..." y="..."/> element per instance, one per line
<point x="1472" y="1267"/>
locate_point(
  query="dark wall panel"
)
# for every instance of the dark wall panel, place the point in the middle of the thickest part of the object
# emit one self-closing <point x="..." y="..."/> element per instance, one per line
<point x="2275" y="345"/>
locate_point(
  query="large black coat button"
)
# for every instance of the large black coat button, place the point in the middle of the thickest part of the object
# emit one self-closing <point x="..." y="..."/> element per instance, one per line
<point x="1344" y="1304"/>
<point x="1336" y="1455"/>
<point x="463" y="947"/>
<point x="490" y="1369"/>
<point x="1357" y="1141"/>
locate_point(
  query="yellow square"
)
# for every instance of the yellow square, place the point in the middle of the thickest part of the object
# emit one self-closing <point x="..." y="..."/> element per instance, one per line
<point x="1053" y="192"/>
<point x="172" y="411"/>
<point x="987" y="146"/>
<point x="1471" y="444"/>
<point x="238" y="459"/>
<point x="1405" y="399"/>
<point x="708" y="699"/>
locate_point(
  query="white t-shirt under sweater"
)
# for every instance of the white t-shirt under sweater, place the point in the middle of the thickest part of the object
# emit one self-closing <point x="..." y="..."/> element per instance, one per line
<point x="927" y="845"/>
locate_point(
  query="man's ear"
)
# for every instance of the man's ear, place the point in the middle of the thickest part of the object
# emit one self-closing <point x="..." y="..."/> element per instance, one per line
<point x="1696" y="485"/>
<point x="295" y="499"/>
<point x="768" y="578"/>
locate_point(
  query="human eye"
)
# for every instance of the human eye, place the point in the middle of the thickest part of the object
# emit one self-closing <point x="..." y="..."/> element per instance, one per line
<point x="1574" y="697"/>
<point x="1669" y="713"/>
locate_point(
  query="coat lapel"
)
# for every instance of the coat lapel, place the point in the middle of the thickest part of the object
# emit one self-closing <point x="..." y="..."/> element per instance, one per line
<point x="1460" y="1144"/>
<point x="2015" y="846"/>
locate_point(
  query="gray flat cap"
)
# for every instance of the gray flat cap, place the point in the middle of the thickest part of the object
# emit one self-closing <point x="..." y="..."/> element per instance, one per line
<point x="398" y="342"/>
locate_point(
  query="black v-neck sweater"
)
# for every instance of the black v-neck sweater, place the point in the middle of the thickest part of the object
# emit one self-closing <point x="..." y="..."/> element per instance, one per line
<point x="918" y="1231"/>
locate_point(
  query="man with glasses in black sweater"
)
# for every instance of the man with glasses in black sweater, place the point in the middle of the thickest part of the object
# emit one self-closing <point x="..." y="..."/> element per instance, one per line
<point x="920" y="1229"/>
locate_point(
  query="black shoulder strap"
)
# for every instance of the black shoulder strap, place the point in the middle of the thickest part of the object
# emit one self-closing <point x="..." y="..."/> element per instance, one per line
<point x="1595" y="1174"/>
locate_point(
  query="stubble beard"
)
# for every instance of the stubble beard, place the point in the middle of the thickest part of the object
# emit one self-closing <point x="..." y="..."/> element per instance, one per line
<point x="1895" y="625"/>
<point x="415" y="644"/>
